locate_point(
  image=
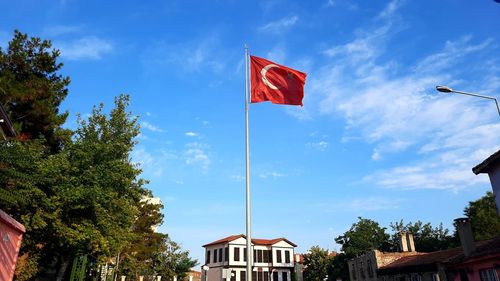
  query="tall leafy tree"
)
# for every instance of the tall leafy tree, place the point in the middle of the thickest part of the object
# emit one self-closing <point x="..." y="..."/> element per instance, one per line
<point x="426" y="237"/>
<point x="316" y="263"/>
<point x="32" y="89"/>
<point x="483" y="217"/>
<point x="363" y="235"/>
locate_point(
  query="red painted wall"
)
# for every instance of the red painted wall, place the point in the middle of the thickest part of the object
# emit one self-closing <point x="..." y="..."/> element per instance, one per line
<point x="473" y="267"/>
<point x="11" y="233"/>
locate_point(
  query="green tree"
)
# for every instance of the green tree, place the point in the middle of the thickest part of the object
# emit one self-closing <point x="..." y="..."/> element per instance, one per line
<point x="363" y="235"/>
<point x="316" y="263"/>
<point x="338" y="267"/>
<point x="173" y="261"/>
<point x="426" y="237"/>
<point x="32" y="89"/>
<point x="483" y="217"/>
<point x="140" y="256"/>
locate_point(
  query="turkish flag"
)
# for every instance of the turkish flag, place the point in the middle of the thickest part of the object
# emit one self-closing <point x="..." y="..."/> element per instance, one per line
<point x="275" y="83"/>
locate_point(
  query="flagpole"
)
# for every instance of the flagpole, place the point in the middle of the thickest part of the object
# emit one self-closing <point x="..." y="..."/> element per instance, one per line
<point x="248" y="209"/>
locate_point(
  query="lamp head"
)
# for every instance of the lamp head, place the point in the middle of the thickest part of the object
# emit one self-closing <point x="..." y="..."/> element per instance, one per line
<point x="444" y="89"/>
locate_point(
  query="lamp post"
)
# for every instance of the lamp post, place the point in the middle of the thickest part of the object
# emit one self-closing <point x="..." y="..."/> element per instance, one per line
<point x="205" y="268"/>
<point x="445" y="89"/>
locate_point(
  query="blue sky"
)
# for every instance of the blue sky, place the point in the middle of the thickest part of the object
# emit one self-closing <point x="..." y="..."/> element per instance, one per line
<point x="374" y="138"/>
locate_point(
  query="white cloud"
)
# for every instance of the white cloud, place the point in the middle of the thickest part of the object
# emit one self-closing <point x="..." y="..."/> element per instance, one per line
<point x="398" y="111"/>
<point x="271" y="175"/>
<point x="195" y="56"/>
<point x="151" y="127"/>
<point x="370" y="204"/>
<point x="89" y="47"/>
<point x="238" y="177"/>
<point x="280" y="25"/>
<point x="196" y="154"/>
<point x="191" y="134"/>
<point x="320" y="145"/>
<point x="58" y="30"/>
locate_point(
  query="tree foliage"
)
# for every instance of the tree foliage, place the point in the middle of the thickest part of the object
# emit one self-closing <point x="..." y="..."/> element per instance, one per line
<point x="32" y="89"/>
<point x="80" y="195"/>
<point x="483" y="217"/>
<point x="363" y="235"/>
<point x="316" y="263"/>
<point x="426" y="237"/>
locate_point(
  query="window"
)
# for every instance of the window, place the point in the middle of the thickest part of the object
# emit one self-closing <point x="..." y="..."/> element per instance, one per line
<point x="207" y="257"/>
<point x="285" y="276"/>
<point x="287" y="256"/>
<point x="260" y="276"/>
<point x="254" y="255"/>
<point x="215" y="255"/>
<point x="243" y="275"/>
<point x="275" y="276"/>
<point x="233" y="275"/>
<point x="220" y="255"/>
<point x="278" y="256"/>
<point x="244" y="254"/>
<point x="270" y="252"/>
<point x="236" y="254"/>
<point x="265" y="258"/>
<point x="266" y="276"/>
<point x="254" y="275"/>
<point x="488" y="274"/>
<point x="226" y="254"/>
<point x="259" y="255"/>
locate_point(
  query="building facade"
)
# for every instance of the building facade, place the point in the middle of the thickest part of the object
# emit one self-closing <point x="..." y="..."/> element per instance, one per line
<point x="473" y="261"/>
<point x="273" y="259"/>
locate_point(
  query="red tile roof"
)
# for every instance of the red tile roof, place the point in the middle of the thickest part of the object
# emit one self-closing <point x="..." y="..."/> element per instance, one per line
<point x="255" y="241"/>
<point x="450" y="256"/>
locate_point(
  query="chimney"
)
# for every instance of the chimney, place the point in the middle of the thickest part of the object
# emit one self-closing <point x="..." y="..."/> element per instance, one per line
<point x="403" y="243"/>
<point x="465" y="233"/>
<point x="410" y="242"/>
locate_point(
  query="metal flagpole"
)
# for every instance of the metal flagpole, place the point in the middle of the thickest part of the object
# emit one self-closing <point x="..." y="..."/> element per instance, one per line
<point x="248" y="216"/>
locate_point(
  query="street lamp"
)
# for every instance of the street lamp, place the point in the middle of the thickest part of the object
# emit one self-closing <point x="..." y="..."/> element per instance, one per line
<point x="445" y="89"/>
<point x="205" y="268"/>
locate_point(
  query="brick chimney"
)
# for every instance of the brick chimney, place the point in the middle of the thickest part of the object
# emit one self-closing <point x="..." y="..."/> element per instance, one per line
<point x="465" y="233"/>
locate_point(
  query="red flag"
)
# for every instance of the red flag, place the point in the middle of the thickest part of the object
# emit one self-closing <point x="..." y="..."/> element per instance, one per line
<point x="276" y="83"/>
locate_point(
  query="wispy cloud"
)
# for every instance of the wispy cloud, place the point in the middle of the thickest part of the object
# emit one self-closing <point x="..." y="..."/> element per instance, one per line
<point x="320" y="145"/>
<point x="89" y="47"/>
<point x="370" y="204"/>
<point x="148" y="126"/>
<point x="58" y="30"/>
<point x="279" y="25"/>
<point x="396" y="109"/>
<point x="272" y="174"/>
<point x="196" y="154"/>
<point x="191" y="134"/>
<point x="193" y="56"/>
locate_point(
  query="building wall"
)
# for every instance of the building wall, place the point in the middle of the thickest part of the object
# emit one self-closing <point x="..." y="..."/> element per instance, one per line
<point x="495" y="184"/>
<point x="363" y="267"/>
<point x="11" y="233"/>
<point x="474" y="269"/>
<point x="221" y="270"/>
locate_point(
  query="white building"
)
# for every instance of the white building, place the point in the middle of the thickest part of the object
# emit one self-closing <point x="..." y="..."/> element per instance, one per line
<point x="226" y="258"/>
